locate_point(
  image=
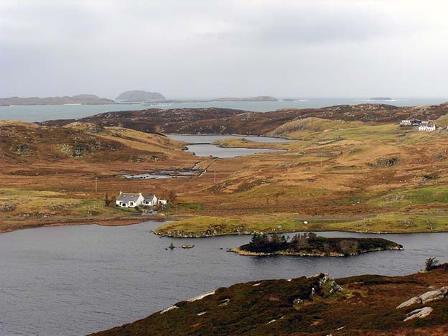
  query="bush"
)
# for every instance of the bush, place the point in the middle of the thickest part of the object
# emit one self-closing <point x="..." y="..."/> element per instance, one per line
<point x="431" y="263"/>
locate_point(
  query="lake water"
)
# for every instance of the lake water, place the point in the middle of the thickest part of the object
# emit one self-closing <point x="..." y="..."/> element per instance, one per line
<point x="222" y="152"/>
<point x="48" y="112"/>
<point x="202" y="145"/>
<point x="73" y="280"/>
<point x="209" y="139"/>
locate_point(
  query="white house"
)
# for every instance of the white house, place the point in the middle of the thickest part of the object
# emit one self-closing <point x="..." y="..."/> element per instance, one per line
<point x="406" y="122"/>
<point x="427" y="126"/>
<point x="129" y="200"/>
<point x="410" y="122"/>
<point x="132" y="200"/>
<point x="150" y="200"/>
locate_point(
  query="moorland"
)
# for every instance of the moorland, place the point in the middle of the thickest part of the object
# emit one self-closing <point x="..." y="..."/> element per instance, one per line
<point x="349" y="168"/>
<point x="366" y="305"/>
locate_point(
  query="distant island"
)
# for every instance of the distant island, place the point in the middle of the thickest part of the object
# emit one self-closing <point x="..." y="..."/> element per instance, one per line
<point x="82" y="99"/>
<point x="311" y="245"/>
<point x="223" y="99"/>
<point x="257" y="98"/>
<point x="127" y="97"/>
<point x="139" y="96"/>
<point x="381" y="98"/>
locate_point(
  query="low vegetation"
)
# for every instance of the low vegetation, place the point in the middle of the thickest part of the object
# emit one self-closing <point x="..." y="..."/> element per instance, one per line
<point x="360" y="306"/>
<point x="346" y="168"/>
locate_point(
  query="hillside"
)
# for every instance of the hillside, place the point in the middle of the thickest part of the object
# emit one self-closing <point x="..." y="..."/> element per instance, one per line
<point x="316" y="306"/>
<point x="22" y="142"/>
<point x="65" y="174"/>
<point x="334" y="174"/>
<point x="229" y="121"/>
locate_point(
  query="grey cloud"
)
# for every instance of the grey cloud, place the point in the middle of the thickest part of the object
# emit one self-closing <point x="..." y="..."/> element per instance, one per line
<point x="315" y="24"/>
<point x="228" y="47"/>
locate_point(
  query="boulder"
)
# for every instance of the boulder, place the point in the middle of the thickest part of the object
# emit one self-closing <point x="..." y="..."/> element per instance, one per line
<point x="434" y="295"/>
<point x="410" y="302"/>
<point x="418" y="313"/>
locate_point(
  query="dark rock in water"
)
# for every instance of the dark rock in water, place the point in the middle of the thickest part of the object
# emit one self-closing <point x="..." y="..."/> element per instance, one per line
<point x="311" y="245"/>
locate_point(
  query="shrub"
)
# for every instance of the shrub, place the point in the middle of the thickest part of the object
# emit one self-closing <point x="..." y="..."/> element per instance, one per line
<point x="431" y="263"/>
<point x="348" y="247"/>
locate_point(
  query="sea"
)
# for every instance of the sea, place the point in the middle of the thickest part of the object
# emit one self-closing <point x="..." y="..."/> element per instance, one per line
<point x="36" y="113"/>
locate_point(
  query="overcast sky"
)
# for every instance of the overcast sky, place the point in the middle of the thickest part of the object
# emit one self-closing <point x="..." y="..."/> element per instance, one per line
<point x="214" y="48"/>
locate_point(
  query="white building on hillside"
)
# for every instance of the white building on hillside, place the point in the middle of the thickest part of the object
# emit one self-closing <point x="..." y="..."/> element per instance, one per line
<point x="129" y="200"/>
<point x="132" y="200"/>
<point x="410" y="122"/>
<point x="427" y="126"/>
<point x="150" y="200"/>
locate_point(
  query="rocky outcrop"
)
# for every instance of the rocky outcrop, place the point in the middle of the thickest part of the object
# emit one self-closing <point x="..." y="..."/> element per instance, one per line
<point x="418" y="313"/>
<point x="434" y="295"/>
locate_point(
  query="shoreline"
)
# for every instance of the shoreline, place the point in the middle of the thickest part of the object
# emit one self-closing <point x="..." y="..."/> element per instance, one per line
<point x="125" y="221"/>
<point x="248" y="233"/>
<point x="75" y="222"/>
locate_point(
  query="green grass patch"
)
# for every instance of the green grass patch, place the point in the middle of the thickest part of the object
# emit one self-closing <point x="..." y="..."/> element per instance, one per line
<point x="190" y="206"/>
<point x="288" y="222"/>
<point x="417" y="196"/>
<point x="210" y="225"/>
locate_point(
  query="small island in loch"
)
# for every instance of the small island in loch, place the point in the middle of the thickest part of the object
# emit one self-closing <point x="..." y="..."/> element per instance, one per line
<point x="311" y="245"/>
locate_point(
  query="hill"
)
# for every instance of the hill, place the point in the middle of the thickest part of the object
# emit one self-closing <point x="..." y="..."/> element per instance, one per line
<point x="316" y="306"/>
<point x="62" y="175"/>
<point x="230" y="121"/>
<point x="23" y="142"/>
<point x="352" y="170"/>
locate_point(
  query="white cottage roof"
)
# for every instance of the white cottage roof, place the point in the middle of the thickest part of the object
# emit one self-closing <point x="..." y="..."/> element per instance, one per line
<point x="149" y="197"/>
<point x="128" y="197"/>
